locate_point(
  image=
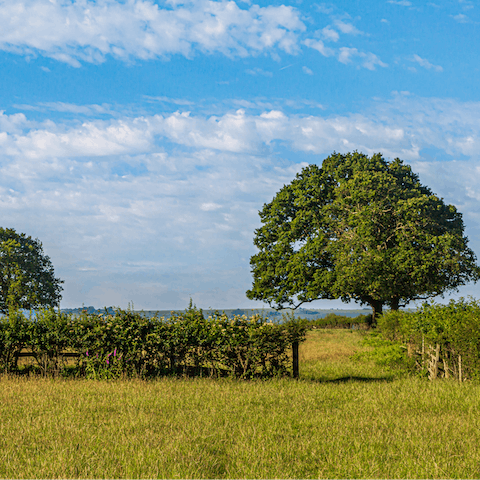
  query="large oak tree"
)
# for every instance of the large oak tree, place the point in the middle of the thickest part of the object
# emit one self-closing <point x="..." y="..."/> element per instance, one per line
<point x="27" y="279"/>
<point x="359" y="228"/>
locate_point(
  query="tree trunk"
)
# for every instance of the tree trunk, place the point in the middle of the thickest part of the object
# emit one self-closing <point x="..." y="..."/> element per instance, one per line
<point x="394" y="304"/>
<point x="377" y="307"/>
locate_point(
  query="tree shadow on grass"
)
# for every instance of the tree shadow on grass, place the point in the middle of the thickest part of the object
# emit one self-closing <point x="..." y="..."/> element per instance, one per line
<point x="351" y="379"/>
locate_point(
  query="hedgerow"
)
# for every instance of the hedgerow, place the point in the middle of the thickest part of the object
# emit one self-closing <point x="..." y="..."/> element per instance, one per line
<point x="130" y="344"/>
<point x="444" y="340"/>
<point x="332" y="320"/>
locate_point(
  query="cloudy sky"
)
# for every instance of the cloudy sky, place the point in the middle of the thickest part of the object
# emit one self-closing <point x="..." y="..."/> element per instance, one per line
<point x="139" y="138"/>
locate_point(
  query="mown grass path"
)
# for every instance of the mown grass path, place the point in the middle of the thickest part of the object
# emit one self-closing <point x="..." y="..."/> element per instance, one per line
<point x="342" y="419"/>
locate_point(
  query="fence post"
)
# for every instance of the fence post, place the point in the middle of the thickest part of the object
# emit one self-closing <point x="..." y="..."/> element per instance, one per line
<point x="446" y="367"/>
<point x="433" y="363"/>
<point x="423" y="352"/>
<point x="460" y="368"/>
<point x="295" y="359"/>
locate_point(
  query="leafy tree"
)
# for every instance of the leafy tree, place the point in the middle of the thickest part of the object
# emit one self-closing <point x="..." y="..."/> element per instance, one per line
<point x="359" y="228"/>
<point x="27" y="278"/>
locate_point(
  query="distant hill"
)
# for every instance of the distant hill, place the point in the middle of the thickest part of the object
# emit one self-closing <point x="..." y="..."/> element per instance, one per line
<point x="269" y="313"/>
<point x="79" y="310"/>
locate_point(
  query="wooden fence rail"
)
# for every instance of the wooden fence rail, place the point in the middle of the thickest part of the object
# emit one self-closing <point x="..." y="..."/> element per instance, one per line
<point x="438" y="363"/>
<point x="64" y="355"/>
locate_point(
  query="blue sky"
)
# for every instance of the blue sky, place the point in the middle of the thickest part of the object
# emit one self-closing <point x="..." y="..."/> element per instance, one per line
<point x="140" y="138"/>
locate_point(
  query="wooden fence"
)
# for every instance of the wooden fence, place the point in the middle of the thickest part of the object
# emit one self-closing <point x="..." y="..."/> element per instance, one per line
<point x="438" y="363"/>
<point x="65" y="355"/>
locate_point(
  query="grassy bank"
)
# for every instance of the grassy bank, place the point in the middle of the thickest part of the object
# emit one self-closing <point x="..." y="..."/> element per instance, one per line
<point x="343" y="419"/>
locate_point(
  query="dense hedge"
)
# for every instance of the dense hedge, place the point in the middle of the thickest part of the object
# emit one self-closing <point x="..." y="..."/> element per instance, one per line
<point x="332" y="320"/>
<point x="129" y="344"/>
<point x="454" y="329"/>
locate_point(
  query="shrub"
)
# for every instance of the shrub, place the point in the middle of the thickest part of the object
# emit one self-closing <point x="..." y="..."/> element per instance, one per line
<point x="14" y="335"/>
<point x="332" y="320"/>
<point x="454" y="328"/>
<point x="129" y="344"/>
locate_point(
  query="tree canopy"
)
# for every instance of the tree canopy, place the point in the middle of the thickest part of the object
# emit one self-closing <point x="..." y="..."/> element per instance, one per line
<point x="359" y="228"/>
<point x="27" y="279"/>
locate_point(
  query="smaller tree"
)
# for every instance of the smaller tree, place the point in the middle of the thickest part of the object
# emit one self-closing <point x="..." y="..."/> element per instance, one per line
<point x="27" y="279"/>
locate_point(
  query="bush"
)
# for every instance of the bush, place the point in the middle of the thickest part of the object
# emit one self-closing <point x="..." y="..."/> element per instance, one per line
<point x="14" y="334"/>
<point x="129" y="344"/>
<point x="386" y="352"/>
<point x="454" y="328"/>
<point x="332" y="320"/>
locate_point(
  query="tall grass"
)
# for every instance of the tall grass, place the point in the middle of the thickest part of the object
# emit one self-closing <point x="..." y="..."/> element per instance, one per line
<point x="342" y="419"/>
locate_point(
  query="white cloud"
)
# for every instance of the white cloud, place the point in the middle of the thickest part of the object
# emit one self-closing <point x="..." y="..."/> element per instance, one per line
<point x="175" y="101"/>
<point x="15" y="123"/>
<point x="84" y="30"/>
<point x="68" y="107"/>
<point x="116" y="205"/>
<point x="401" y="126"/>
<point x="347" y="28"/>
<point x="404" y="125"/>
<point x="403" y="3"/>
<point x="90" y="139"/>
<point x="307" y="70"/>
<point x="262" y="104"/>
<point x="232" y="132"/>
<point x="329" y="34"/>
<point x="346" y="55"/>
<point x="426" y="64"/>
<point x="324" y="8"/>
<point x="461" y="18"/>
<point x="176" y="226"/>
<point x="458" y="182"/>
<point x="76" y="31"/>
<point x="259" y="71"/>
<point x="319" y="46"/>
<point x="206" y="207"/>
<point x="369" y="60"/>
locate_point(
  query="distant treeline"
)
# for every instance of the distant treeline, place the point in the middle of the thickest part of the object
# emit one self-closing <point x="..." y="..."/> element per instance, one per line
<point x="332" y="320"/>
<point x="266" y="313"/>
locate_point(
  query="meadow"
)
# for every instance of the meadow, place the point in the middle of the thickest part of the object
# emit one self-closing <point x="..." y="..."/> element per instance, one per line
<point x="344" y="418"/>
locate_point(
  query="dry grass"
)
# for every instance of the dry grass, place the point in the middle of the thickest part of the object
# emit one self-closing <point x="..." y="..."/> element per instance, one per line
<point x="330" y="345"/>
<point x="342" y="420"/>
<point x="326" y="356"/>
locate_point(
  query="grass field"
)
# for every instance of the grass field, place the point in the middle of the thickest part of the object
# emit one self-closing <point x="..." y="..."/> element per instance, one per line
<point x="344" y="418"/>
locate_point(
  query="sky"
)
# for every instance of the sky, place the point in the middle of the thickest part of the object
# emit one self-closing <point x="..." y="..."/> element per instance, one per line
<point x="140" y="138"/>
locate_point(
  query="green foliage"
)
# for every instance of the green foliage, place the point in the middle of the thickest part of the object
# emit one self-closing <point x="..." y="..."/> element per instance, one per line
<point x="387" y="353"/>
<point x="27" y="279"/>
<point x="48" y="336"/>
<point x="455" y="327"/>
<point x="358" y="228"/>
<point x="129" y="344"/>
<point x="14" y="334"/>
<point x="104" y="367"/>
<point x="332" y="320"/>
